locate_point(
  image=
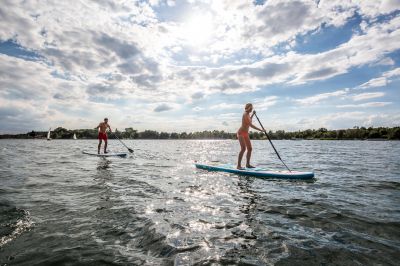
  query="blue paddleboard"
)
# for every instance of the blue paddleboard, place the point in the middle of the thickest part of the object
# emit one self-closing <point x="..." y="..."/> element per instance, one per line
<point x="257" y="172"/>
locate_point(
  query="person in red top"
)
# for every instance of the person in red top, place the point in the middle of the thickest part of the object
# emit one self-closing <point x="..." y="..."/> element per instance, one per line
<point x="102" y="127"/>
<point x="243" y="137"/>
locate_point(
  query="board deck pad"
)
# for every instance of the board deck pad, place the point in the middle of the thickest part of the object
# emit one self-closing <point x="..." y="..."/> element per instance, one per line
<point x="111" y="154"/>
<point x="257" y="172"/>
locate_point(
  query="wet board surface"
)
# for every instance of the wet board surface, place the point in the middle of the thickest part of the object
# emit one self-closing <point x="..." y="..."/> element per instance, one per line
<point x="257" y="172"/>
<point x="111" y="154"/>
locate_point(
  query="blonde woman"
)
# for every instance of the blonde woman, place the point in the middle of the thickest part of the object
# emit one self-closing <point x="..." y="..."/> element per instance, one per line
<point x="243" y="137"/>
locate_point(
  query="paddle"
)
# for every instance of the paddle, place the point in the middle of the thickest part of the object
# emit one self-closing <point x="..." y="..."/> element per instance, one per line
<point x="129" y="149"/>
<point x="254" y="114"/>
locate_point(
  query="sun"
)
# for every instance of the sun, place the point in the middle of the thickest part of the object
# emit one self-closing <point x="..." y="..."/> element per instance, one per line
<point x="197" y="30"/>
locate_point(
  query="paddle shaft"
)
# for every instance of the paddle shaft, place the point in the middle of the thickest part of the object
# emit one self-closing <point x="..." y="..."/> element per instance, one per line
<point x="129" y="149"/>
<point x="270" y="141"/>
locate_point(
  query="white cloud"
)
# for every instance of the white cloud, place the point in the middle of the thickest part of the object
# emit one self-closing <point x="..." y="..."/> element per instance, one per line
<point x="265" y="103"/>
<point x="364" y="105"/>
<point x="392" y="73"/>
<point x="225" y="106"/>
<point x="376" y="8"/>
<point x="385" y="79"/>
<point x="368" y="95"/>
<point x="349" y="119"/>
<point x="198" y="95"/>
<point x="294" y="68"/>
<point x="162" y="108"/>
<point x="387" y="61"/>
<point x="159" y="107"/>
<point x="119" y="53"/>
<point x="359" y="50"/>
<point x="376" y="82"/>
<point x="198" y="109"/>
<point x="171" y="2"/>
<point x="141" y="52"/>
<point x="154" y="2"/>
<point x="323" y="96"/>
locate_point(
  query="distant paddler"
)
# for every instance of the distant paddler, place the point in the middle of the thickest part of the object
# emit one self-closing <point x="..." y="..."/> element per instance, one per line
<point x="244" y="138"/>
<point x="102" y="127"/>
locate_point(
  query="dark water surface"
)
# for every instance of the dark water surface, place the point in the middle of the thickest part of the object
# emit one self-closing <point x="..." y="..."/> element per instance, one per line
<point x="60" y="207"/>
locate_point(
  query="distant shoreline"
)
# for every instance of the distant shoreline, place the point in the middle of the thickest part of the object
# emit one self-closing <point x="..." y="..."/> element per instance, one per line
<point x="1" y="138"/>
<point x="356" y="133"/>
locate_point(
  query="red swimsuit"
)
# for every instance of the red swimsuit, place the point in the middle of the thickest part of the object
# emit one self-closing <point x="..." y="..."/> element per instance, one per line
<point x="103" y="136"/>
<point x="242" y="133"/>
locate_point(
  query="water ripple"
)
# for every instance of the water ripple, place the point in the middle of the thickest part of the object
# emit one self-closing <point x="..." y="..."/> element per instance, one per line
<point x="60" y="207"/>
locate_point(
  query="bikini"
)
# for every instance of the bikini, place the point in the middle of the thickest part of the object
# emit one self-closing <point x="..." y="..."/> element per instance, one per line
<point x="244" y="134"/>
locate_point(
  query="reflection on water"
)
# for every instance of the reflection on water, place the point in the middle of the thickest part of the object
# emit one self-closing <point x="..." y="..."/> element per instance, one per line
<point x="155" y="208"/>
<point x="104" y="164"/>
<point x="13" y="222"/>
<point x="104" y="175"/>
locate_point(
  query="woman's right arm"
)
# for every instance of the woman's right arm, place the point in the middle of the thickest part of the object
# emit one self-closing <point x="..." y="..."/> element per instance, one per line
<point x="248" y="121"/>
<point x="253" y="126"/>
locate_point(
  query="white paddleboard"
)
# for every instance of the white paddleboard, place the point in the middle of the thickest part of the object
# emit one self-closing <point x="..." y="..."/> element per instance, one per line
<point x="110" y="154"/>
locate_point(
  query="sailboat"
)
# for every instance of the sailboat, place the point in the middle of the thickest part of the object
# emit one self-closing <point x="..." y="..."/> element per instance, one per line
<point x="74" y="136"/>
<point x="48" y="134"/>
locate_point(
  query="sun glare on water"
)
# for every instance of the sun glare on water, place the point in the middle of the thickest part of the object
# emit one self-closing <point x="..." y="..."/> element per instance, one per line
<point x="197" y="30"/>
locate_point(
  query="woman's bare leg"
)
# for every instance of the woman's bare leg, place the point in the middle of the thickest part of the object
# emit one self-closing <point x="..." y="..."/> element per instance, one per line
<point x="242" y="150"/>
<point x="249" y="150"/>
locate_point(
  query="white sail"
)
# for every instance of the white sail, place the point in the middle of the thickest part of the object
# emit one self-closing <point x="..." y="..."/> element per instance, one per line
<point x="48" y="134"/>
<point x="74" y="136"/>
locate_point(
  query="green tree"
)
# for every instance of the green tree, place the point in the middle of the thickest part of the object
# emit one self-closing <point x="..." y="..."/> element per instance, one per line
<point x="183" y="135"/>
<point x="374" y="134"/>
<point x="130" y="133"/>
<point x="164" y="135"/>
<point x="394" y="133"/>
<point x="149" y="134"/>
<point x="174" y="135"/>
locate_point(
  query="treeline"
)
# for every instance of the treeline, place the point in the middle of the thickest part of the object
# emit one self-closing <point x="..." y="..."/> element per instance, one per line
<point x="360" y="133"/>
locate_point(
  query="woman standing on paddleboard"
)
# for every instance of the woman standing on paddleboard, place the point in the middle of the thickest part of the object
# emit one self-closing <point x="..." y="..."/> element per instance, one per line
<point x="243" y="136"/>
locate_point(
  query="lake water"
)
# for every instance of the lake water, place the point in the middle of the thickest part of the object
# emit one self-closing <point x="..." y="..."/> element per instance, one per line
<point x="60" y="207"/>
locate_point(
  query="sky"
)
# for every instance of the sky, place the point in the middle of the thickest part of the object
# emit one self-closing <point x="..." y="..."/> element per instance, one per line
<point x="192" y="65"/>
